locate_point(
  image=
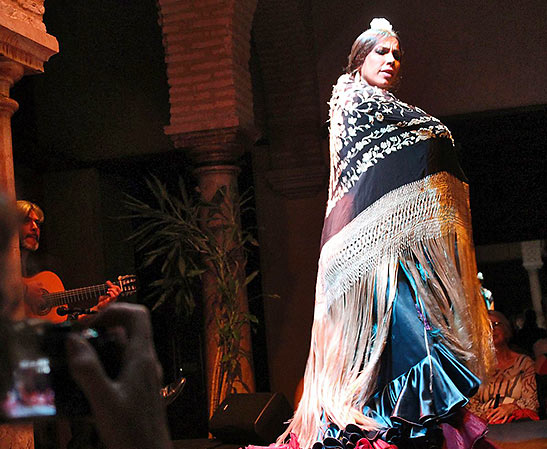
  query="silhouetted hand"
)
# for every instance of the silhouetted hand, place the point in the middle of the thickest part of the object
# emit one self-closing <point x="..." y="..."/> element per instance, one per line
<point x="128" y="410"/>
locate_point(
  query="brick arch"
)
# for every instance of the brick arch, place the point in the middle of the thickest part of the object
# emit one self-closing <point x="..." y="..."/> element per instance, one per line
<point x="207" y="50"/>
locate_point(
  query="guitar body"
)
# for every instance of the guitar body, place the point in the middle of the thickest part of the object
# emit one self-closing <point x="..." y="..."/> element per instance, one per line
<point x="54" y="295"/>
<point x="49" y="282"/>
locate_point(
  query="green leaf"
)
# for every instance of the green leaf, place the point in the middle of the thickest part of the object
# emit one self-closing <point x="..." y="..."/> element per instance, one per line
<point x="181" y="266"/>
<point x="250" y="277"/>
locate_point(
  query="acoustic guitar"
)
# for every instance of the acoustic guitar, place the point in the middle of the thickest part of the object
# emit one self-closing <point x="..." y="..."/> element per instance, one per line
<point x="55" y="295"/>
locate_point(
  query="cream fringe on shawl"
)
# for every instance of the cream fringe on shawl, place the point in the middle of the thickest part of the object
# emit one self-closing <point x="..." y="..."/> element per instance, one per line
<point x="426" y="222"/>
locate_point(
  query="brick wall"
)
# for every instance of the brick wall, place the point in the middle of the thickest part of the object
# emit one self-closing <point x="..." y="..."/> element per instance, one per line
<point x="284" y="44"/>
<point x="207" y="47"/>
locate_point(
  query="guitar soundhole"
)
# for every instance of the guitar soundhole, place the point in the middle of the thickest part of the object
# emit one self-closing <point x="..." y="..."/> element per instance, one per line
<point x="43" y="310"/>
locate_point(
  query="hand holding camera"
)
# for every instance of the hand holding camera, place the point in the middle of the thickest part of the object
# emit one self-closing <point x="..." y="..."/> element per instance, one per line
<point x="128" y="410"/>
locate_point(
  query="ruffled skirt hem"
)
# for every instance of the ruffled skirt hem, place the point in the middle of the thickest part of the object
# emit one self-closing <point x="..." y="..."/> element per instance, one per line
<point x="462" y="431"/>
<point x="429" y="393"/>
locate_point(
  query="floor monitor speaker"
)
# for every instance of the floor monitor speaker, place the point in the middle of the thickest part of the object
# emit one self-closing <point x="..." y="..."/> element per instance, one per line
<point x="250" y="418"/>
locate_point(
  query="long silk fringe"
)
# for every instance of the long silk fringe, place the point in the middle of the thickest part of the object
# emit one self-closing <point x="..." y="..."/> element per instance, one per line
<point x="345" y="350"/>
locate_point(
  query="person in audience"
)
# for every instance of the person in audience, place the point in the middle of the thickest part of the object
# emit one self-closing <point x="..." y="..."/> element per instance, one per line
<point x="129" y="413"/>
<point x="529" y="333"/>
<point x="540" y="356"/>
<point x="511" y="393"/>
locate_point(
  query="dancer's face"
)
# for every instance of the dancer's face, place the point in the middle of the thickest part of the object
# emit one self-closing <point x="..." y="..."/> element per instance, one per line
<point x="382" y="64"/>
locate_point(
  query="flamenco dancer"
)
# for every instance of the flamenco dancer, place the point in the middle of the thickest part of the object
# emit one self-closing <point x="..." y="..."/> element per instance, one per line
<point x="401" y="337"/>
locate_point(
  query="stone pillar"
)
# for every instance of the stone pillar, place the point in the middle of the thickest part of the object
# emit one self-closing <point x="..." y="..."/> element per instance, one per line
<point x="284" y="42"/>
<point x="10" y="72"/>
<point x="12" y="437"/>
<point x="291" y="173"/>
<point x="215" y="154"/>
<point x="24" y="47"/>
<point x="531" y="260"/>
<point x="210" y="179"/>
<point x="207" y="57"/>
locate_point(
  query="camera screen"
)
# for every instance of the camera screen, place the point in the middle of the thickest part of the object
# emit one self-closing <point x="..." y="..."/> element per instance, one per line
<point x="31" y="393"/>
<point x="35" y="381"/>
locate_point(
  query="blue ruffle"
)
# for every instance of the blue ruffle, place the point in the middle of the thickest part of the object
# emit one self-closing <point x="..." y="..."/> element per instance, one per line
<point x="419" y="399"/>
<point x="421" y="384"/>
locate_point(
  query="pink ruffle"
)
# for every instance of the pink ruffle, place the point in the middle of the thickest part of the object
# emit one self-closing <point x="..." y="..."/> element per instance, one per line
<point x="293" y="444"/>
<point x="466" y="431"/>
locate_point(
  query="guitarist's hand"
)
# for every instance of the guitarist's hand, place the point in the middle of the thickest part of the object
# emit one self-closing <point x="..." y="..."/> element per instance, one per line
<point x="128" y="410"/>
<point x="112" y="294"/>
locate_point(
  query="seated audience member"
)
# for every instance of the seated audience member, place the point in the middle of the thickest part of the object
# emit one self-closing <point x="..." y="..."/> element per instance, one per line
<point x="511" y="392"/>
<point x="540" y="353"/>
<point x="128" y="411"/>
<point x="529" y="333"/>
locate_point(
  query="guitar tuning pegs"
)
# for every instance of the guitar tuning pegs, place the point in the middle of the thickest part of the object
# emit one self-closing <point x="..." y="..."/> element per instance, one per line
<point x="128" y="283"/>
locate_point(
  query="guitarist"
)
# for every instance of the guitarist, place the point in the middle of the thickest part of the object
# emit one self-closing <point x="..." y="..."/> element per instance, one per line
<point x="32" y="217"/>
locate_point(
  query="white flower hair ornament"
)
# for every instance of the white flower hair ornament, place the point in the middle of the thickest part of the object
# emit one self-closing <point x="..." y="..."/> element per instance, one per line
<point x="381" y="24"/>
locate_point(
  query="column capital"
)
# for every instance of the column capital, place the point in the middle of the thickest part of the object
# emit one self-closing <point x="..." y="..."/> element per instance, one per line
<point x="213" y="147"/>
<point x="24" y="41"/>
<point x="10" y="73"/>
<point x="218" y="170"/>
<point x="531" y="254"/>
<point x="10" y="70"/>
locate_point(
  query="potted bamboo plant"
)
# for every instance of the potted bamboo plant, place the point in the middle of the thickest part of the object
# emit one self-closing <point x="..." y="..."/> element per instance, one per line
<point x="188" y="237"/>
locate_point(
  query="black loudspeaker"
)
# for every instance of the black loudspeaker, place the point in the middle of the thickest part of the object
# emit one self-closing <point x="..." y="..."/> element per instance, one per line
<point x="251" y="418"/>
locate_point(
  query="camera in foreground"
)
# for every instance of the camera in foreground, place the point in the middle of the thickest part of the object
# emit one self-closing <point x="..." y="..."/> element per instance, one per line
<point x="34" y="381"/>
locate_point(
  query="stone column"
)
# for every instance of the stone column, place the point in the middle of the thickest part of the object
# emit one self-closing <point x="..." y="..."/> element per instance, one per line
<point x="215" y="154"/>
<point x="207" y="57"/>
<point x="24" y="47"/>
<point x="531" y="260"/>
<point x="12" y="437"/>
<point x="10" y="72"/>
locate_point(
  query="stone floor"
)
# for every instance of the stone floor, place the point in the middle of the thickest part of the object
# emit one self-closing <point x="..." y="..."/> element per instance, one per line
<point x="519" y="435"/>
<point x="203" y="444"/>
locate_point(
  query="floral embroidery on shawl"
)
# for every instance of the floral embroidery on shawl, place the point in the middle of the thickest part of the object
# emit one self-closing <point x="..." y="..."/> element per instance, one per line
<point x="367" y="124"/>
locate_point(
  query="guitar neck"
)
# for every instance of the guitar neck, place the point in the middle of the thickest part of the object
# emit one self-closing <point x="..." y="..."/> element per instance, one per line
<point x="75" y="296"/>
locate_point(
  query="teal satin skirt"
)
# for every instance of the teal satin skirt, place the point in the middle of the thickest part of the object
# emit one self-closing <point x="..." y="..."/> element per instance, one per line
<point x="420" y="383"/>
